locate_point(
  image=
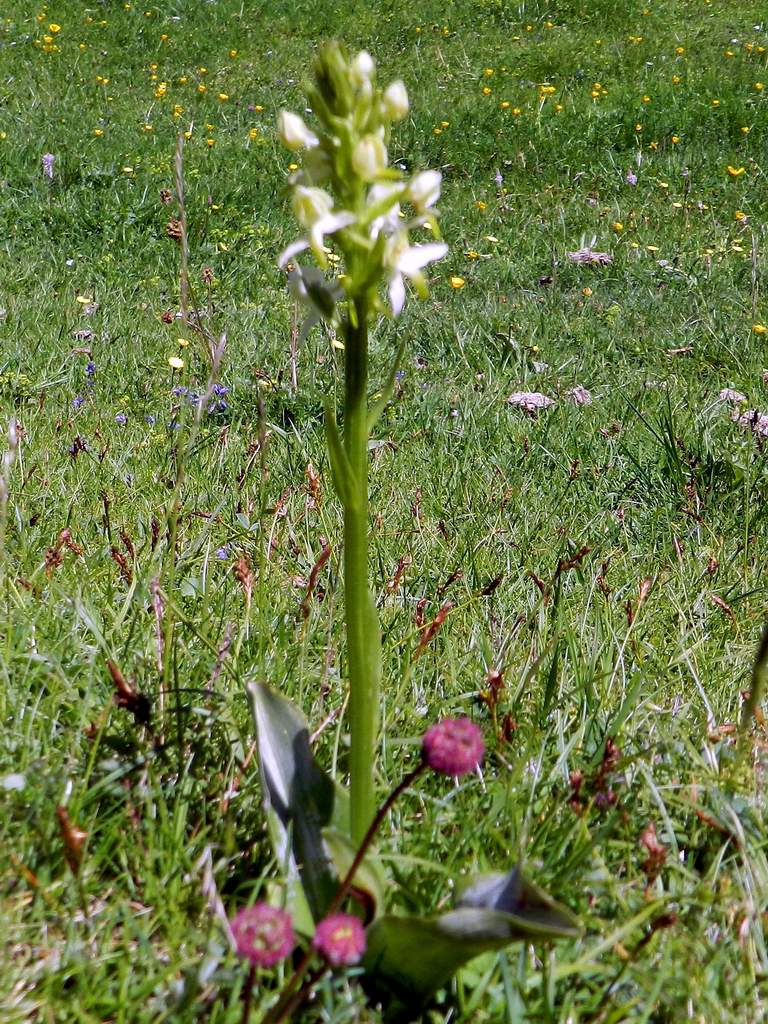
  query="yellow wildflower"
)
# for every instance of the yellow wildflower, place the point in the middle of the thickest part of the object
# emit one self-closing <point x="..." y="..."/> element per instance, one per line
<point x="457" y="282"/>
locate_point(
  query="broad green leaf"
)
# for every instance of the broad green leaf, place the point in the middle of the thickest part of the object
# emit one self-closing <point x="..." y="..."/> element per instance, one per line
<point x="298" y="796"/>
<point x="512" y="893"/>
<point x="369" y="877"/>
<point x="409" y="958"/>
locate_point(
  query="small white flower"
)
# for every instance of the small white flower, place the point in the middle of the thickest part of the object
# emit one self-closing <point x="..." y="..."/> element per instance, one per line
<point x="384" y="199"/>
<point x="313" y="208"/>
<point x="395" y="100"/>
<point x="369" y="157"/>
<point x="294" y="134"/>
<point x="361" y="69"/>
<point x="405" y="260"/>
<point x="310" y="204"/>
<point x="424" y="190"/>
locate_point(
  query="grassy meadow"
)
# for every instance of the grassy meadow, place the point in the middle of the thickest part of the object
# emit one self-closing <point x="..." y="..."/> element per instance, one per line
<point x="597" y="570"/>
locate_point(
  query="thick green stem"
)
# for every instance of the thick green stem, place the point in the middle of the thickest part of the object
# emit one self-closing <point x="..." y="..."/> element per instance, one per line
<point x="363" y="639"/>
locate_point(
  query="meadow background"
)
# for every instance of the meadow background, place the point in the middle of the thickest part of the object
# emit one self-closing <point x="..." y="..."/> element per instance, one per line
<point x="600" y="567"/>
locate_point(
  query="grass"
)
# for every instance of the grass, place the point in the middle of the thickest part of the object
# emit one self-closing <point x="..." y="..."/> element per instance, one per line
<point x="646" y="638"/>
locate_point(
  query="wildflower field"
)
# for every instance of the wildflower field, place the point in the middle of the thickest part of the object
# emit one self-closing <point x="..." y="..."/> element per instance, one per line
<point x="568" y="533"/>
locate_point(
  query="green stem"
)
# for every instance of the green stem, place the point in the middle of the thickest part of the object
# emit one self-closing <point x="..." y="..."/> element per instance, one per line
<point x="363" y="639"/>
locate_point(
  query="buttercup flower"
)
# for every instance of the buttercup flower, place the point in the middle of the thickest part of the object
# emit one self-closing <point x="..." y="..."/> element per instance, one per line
<point x="340" y="938"/>
<point x="453" y="746"/>
<point x="263" y="934"/>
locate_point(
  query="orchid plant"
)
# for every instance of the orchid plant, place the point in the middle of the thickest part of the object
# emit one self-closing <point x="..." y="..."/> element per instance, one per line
<point x="347" y="194"/>
<point x="347" y="198"/>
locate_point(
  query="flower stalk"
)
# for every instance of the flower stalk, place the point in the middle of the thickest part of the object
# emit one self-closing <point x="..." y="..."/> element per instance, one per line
<point x="363" y="637"/>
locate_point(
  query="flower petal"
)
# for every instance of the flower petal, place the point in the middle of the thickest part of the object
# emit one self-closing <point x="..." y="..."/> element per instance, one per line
<point x="415" y="257"/>
<point x="397" y="294"/>
<point x="292" y="250"/>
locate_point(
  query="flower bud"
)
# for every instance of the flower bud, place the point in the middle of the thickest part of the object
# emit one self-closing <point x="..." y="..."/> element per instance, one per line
<point x="294" y="134"/>
<point x="395" y="101"/>
<point x="310" y="204"/>
<point x="369" y="157"/>
<point x="361" y="69"/>
<point x="424" y="190"/>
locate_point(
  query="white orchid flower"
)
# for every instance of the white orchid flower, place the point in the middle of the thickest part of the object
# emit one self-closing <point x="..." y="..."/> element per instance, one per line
<point x="384" y="198"/>
<point x="313" y="208"/>
<point x="405" y="260"/>
<point x="395" y="101"/>
<point x="361" y="69"/>
<point x="369" y="157"/>
<point x="294" y="134"/>
<point x="424" y="189"/>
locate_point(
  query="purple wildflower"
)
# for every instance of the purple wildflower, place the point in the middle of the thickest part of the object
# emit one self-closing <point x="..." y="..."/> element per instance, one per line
<point x="729" y="395"/>
<point x="453" y="746"/>
<point x="48" y="161"/>
<point x="263" y="934"/>
<point x="754" y="420"/>
<point x="222" y="553"/>
<point x="580" y="396"/>
<point x="631" y="178"/>
<point x="77" y="402"/>
<point x="341" y="939"/>
<point x="530" y="401"/>
<point x="90" y="369"/>
<point x="590" y="256"/>
<point x="121" y="418"/>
